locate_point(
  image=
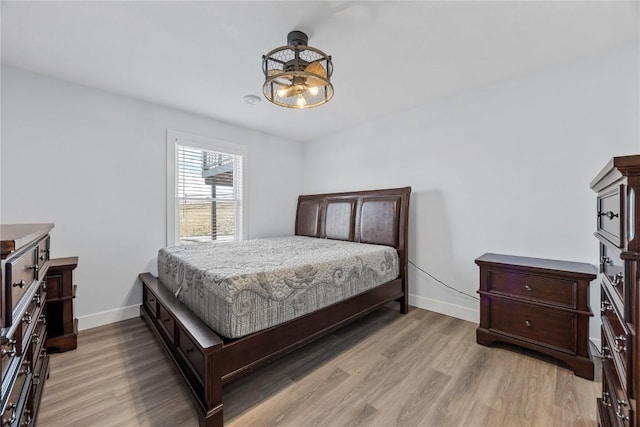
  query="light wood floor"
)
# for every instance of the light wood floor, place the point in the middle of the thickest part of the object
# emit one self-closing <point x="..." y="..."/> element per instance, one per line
<point x="421" y="369"/>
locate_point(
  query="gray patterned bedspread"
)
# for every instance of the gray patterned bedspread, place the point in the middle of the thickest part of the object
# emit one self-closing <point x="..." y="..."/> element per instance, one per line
<point x="238" y="288"/>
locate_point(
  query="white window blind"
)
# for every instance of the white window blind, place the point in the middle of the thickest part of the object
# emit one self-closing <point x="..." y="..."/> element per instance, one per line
<point x="207" y="192"/>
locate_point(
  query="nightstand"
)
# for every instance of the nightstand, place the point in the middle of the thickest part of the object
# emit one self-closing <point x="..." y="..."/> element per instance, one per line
<point x="62" y="327"/>
<point x="539" y="304"/>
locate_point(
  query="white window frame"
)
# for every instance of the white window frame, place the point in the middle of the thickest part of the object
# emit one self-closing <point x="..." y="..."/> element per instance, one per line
<point x="175" y="138"/>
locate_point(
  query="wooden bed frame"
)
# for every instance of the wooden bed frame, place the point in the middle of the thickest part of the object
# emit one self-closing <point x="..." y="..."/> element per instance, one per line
<point x="207" y="361"/>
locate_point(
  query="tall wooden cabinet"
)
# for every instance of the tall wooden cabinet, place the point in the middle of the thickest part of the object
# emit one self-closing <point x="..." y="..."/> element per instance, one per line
<point x="618" y="232"/>
<point x="24" y="362"/>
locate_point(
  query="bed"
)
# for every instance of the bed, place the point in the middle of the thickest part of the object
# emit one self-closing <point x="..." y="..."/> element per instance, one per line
<point x="208" y="359"/>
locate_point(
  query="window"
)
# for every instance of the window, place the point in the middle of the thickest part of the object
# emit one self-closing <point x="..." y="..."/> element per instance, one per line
<point x="204" y="190"/>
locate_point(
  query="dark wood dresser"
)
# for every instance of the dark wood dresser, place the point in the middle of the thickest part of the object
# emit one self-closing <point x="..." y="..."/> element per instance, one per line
<point x="62" y="327"/>
<point x="539" y="304"/>
<point x="24" y="362"/>
<point x="618" y="213"/>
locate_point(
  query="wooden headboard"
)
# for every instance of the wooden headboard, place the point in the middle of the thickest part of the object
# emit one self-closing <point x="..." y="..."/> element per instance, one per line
<point x="375" y="216"/>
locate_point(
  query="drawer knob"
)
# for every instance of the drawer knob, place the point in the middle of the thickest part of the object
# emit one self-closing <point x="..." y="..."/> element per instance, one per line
<point x="21" y="284"/>
<point x="527" y="287"/>
<point x="608" y="214"/>
<point x="606" y="353"/>
<point x="27" y="318"/>
<point x="617" y="279"/>
<point x="605" y="260"/>
<point x="35" y="267"/>
<point x="527" y="323"/>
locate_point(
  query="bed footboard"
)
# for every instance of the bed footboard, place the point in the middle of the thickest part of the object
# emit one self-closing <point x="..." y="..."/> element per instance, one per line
<point x="194" y="348"/>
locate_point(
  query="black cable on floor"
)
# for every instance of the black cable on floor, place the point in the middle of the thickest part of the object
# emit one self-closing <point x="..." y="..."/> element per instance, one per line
<point x="473" y="297"/>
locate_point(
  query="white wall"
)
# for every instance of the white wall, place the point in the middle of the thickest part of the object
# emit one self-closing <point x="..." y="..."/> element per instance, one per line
<point x="94" y="164"/>
<point x="502" y="169"/>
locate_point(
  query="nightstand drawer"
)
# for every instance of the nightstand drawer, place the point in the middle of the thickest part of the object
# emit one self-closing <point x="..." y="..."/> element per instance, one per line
<point x="533" y="287"/>
<point x="539" y="325"/>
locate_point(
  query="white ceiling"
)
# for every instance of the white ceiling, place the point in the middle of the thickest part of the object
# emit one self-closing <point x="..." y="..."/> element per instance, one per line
<point x="389" y="56"/>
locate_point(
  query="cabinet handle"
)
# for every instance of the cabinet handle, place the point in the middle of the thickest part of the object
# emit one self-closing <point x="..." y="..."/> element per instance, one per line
<point x="191" y="350"/>
<point x="9" y="421"/>
<point x="605" y="355"/>
<point x="27" y="318"/>
<point x="527" y="287"/>
<point x="42" y="319"/>
<point x="43" y="353"/>
<point x="166" y="319"/>
<point x="621" y="414"/>
<point x="35" y="268"/>
<point x="605" y="399"/>
<point x="617" y="279"/>
<point x="21" y="284"/>
<point x="617" y="347"/>
<point x="12" y="351"/>
<point x="527" y="323"/>
<point x="608" y="214"/>
<point x="605" y="306"/>
<point x="37" y="300"/>
<point x="26" y="422"/>
<point x="605" y="260"/>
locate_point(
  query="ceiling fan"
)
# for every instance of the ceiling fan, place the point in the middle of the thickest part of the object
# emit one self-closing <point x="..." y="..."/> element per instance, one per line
<point x="297" y="75"/>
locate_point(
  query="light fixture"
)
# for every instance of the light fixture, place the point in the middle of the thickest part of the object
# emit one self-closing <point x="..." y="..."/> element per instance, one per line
<point x="297" y="75"/>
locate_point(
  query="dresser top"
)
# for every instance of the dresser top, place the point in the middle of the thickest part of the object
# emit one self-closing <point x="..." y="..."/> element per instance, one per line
<point x="15" y="236"/>
<point x="539" y="263"/>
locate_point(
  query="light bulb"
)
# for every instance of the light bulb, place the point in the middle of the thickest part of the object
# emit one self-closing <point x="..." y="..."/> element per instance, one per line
<point x="300" y="102"/>
<point x="313" y="90"/>
<point x="282" y="93"/>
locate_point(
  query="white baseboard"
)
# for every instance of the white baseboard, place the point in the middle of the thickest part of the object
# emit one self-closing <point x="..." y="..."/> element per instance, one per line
<point x="109" y="316"/>
<point x="446" y="308"/>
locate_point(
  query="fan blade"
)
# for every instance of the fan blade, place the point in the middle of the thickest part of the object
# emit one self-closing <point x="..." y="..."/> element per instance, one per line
<point x="280" y="76"/>
<point x="316" y="68"/>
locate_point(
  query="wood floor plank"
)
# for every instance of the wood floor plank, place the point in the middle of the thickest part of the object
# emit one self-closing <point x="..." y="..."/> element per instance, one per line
<point x="386" y="369"/>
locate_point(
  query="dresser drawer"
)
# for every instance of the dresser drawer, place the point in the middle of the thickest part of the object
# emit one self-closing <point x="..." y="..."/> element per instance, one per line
<point x="616" y="340"/>
<point x="533" y="287"/>
<point x="167" y="323"/>
<point x="190" y="352"/>
<point x="614" y="398"/>
<point x="20" y="275"/>
<point x="610" y="211"/>
<point x="542" y="326"/>
<point x="150" y="301"/>
<point x="612" y="268"/>
<point x="9" y="355"/>
<point x="17" y="400"/>
<point x="43" y="255"/>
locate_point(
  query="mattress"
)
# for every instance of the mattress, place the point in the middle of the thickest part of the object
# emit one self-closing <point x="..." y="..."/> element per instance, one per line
<point x="238" y="288"/>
